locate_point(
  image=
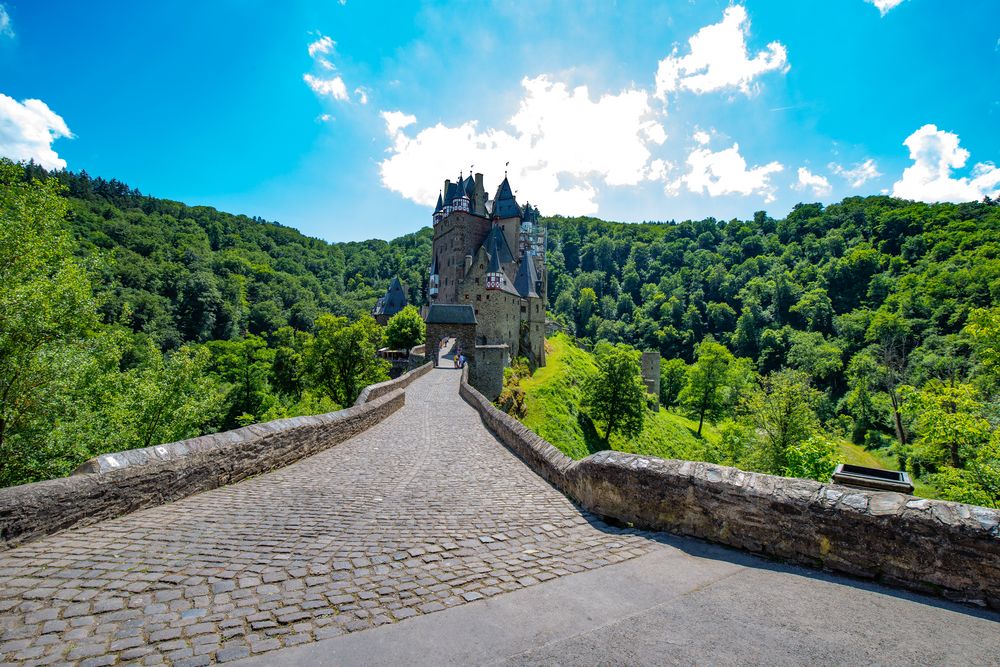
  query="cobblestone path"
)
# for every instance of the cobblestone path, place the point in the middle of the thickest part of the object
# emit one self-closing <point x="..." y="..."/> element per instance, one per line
<point x="424" y="511"/>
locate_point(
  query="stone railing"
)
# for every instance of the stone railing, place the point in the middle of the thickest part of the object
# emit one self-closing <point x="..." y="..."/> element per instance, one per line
<point x="942" y="548"/>
<point x="112" y="485"/>
<point x="373" y="391"/>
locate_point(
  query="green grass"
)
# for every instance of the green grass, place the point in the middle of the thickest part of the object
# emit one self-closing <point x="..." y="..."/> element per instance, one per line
<point x="552" y="399"/>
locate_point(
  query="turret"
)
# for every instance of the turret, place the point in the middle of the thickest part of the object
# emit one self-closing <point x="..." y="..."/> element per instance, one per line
<point x="460" y="201"/>
<point x="439" y="210"/>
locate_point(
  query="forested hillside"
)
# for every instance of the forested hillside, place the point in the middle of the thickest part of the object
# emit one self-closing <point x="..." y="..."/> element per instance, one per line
<point x="129" y="320"/>
<point x="879" y="313"/>
<point x="191" y="273"/>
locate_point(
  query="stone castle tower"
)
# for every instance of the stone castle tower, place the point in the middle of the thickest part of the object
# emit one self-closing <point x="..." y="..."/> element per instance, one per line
<point x="489" y="254"/>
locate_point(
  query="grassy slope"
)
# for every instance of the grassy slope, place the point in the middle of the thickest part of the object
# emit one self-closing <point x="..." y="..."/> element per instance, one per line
<point x="552" y="395"/>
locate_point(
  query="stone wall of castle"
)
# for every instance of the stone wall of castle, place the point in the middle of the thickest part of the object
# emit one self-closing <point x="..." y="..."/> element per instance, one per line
<point x="937" y="547"/>
<point x="486" y="374"/>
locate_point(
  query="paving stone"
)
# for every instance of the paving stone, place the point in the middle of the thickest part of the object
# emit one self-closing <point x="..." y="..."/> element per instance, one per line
<point x="293" y="553"/>
<point x="232" y="653"/>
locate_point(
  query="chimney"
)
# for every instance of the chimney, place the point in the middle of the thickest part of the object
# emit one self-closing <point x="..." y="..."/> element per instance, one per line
<point x="447" y="184"/>
<point x="468" y="263"/>
<point x="479" y="205"/>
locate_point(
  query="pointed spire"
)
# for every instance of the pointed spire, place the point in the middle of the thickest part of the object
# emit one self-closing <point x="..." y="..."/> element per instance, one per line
<point x="505" y="206"/>
<point x="527" y="278"/>
<point x="440" y="204"/>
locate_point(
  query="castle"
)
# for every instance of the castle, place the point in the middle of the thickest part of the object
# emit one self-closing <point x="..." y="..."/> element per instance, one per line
<point x="487" y="270"/>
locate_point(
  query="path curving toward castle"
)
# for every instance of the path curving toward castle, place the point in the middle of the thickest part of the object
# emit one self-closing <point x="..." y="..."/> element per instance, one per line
<point x="373" y="550"/>
<point x="422" y="512"/>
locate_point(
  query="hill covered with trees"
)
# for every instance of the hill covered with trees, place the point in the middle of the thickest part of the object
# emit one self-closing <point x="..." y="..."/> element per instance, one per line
<point x="879" y="313"/>
<point x="129" y="320"/>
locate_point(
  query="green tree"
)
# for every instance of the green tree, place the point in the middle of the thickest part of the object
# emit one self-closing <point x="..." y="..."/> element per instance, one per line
<point x="713" y="382"/>
<point x="245" y="364"/>
<point x="171" y="398"/>
<point x="949" y="421"/>
<point x="615" y="394"/>
<point x="782" y="411"/>
<point x="814" y="458"/>
<point x="984" y="327"/>
<point x="342" y="359"/>
<point x="673" y="376"/>
<point x="405" y="329"/>
<point x="863" y="400"/>
<point x="46" y="304"/>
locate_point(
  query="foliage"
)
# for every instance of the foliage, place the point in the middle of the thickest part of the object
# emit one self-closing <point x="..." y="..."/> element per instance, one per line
<point x="673" y="377"/>
<point x="950" y="421"/>
<point x="405" y="329"/>
<point x="46" y="308"/>
<point x="553" y="394"/>
<point x="713" y="382"/>
<point x="615" y="394"/>
<point x="342" y="358"/>
<point x="782" y="410"/>
<point x="815" y="458"/>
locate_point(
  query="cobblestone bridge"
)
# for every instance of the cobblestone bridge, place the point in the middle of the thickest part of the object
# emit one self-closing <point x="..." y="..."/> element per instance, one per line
<point x="422" y="513"/>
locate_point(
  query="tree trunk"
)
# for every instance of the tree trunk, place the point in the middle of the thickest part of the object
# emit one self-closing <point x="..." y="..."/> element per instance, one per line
<point x="701" y="420"/>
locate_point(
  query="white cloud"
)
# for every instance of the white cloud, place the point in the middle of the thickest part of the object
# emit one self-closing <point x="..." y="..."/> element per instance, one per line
<point x="6" y="29"/>
<point x="561" y="146"/>
<point x="859" y="174"/>
<point x="361" y="94"/>
<point x="885" y="5"/>
<point x="396" y="121"/>
<point x="724" y="173"/>
<point x="701" y="137"/>
<point x="324" y="118"/>
<point x="935" y="153"/>
<point x="27" y="130"/>
<point x="819" y="184"/>
<point x="334" y="87"/>
<point x="719" y="59"/>
<point x="322" y="45"/>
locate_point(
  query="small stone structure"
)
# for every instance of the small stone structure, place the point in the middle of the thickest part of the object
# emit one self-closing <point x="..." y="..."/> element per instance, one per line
<point x="111" y="485"/>
<point x="651" y="376"/>
<point x="937" y="547"/>
<point x="486" y="374"/>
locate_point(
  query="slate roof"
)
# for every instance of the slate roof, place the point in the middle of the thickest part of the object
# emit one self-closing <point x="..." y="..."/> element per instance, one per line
<point x="504" y="205"/>
<point x="526" y="278"/>
<point x="393" y="301"/>
<point x="434" y="265"/>
<point x="496" y="245"/>
<point x="440" y="204"/>
<point x="447" y="313"/>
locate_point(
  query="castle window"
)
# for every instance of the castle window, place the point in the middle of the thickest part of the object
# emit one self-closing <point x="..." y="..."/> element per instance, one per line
<point x="479" y="297"/>
<point x="524" y="309"/>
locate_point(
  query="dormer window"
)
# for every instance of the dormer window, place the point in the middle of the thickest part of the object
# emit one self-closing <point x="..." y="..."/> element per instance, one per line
<point x="495" y="281"/>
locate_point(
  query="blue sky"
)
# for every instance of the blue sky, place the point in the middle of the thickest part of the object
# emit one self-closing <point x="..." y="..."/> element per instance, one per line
<point x="342" y="119"/>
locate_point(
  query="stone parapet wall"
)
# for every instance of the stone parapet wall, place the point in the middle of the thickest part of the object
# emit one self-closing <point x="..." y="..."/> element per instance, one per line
<point x="373" y="391"/>
<point x="115" y="484"/>
<point x="942" y="548"/>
